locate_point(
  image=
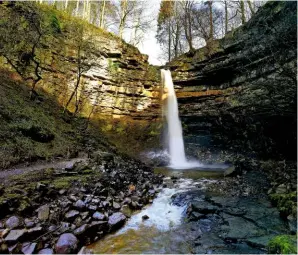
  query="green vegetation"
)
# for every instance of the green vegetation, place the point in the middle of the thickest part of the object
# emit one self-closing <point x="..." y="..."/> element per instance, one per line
<point x="31" y="130"/>
<point x="286" y="203"/>
<point x="283" y="244"/>
<point x="113" y="67"/>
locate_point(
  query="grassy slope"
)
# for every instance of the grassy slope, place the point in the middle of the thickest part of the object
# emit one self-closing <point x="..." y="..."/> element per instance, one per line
<point x="31" y="130"/>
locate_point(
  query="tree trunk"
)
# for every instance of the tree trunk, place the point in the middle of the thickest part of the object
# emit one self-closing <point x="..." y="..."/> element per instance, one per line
<point x="251" y="7"/>
<point x="226" y="17"/>
<point x="123" y="17"/>
<point x="210" y="21"/>
<point x="102" y="14"/>
<point x="66" y="4"/>
<point x="77" y="8"/>
<point x="242" y="8"/>
<point x="169" y="46"/>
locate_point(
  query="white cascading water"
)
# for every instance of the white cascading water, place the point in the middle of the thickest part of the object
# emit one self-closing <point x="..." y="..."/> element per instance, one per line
<point x="175" y="136"/>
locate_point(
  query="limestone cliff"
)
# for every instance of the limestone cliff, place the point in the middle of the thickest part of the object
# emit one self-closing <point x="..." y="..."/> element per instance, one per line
<point x="116" y="79"/>
<point x="240" y="91"/>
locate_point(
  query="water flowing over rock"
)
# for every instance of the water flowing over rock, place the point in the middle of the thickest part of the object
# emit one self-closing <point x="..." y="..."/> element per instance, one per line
<point x="175" y="136"/>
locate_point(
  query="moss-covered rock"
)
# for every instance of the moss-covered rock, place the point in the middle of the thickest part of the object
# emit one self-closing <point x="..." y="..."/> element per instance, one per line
<point x="283" y="244"/>
<point x="286" y="203"/>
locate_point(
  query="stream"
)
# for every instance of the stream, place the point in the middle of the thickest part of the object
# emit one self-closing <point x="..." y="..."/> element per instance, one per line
<point x="186" y="218"/>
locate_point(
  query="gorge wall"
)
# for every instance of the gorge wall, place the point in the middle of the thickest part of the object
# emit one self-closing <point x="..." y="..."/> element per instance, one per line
<point x="116" y="79"/>
<point x="240" y="92"/>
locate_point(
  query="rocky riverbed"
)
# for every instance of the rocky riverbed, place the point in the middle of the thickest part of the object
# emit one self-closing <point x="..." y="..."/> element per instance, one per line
<point x="202" y="216"/>
<point x="59" y="210"/>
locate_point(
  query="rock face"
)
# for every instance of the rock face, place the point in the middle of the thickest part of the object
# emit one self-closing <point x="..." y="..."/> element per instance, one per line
<point x="241" y="90"/>
<point x="119" y="82"/>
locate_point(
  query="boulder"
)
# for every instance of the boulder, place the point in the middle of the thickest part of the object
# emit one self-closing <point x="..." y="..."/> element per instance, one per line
<point x="81" y="230"/>
<point x="126" y="210"/>
<point x="28" y="248"/>
<point x="98" y="216"/>
<point x="80" y="205"/>
<point x="145" y="217"/>
<point x="13" y="222"/>
<point x="43" y="212"/>
<point x="71" y="214"/>
<point x="46" y="251"/>
<point x="99" y="156"/>
<point x="29" y="223"/>
<point x="15" y="235"/>
<point x="116" y="205"/>
<point x="67" y="243"/>
<point x="116" y="220"/>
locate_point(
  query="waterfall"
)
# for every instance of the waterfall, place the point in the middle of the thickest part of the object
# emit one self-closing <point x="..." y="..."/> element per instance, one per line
<point x="175" y="137"/>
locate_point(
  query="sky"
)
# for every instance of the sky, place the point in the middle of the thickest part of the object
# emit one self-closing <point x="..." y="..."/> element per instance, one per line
<point x="150" y="46"/>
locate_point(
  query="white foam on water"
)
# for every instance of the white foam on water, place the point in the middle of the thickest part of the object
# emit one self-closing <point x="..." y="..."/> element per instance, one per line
<point x="163" y="215"/>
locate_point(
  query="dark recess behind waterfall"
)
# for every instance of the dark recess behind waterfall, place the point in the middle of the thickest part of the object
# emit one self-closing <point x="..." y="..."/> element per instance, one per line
<point x="259" y="124"/>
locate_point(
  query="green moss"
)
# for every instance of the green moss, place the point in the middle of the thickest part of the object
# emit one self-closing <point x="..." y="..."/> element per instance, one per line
<point x="283" y="244"/>
<point x="286" y="203"/>
<point x="113" y="67"/>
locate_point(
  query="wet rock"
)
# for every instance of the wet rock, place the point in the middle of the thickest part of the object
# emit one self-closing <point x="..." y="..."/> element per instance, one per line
<point x="15" y="249"/>
<point x="97" y="226"/>
<point x="126" y="210"/>
<point x="4" y="232"/>
<point x="100" y="156"/>
<point x="98" y="216"/>
<point x="145" y="217"/>
<point x="92" y="207"/>
<point x="204" y="208"/>
<point x="259" y="242"/>
<point x="67" y="243"/>
<point x="127" y="200"/>
<point x="13" y="222"/>
<point x="73" y="198"/>
<point x="40" y="186"/>
<point x="230" y="171"/>
<point x="80" y="205"/>
<point x="34" y="232"/>
<point x="15" y="235"/>
<point x="135" y="198"/>
<point x="85" y="250"/>
<point x="62" y="191"/>
<point x="66" y="227"/>
<point x="116" y="220"/>
<point x="3" y="248"/>
<point x="46" y="251"/>
<point x="78" y="221"/>
<point x="292" y="222"/>
<point x="29" y="223"/>
<point x="28" y="248"/>
<point x="95" y="201"/>
<point x="43" y="212"/>
<point x="235" y="211"/>
<point x="281" y="189"/>
<point x="69" y="166"/>
<point x="84" y="215"/>
<point x="65" y="203"/>
<point x="81" y="230"/>
<point x="71" y="214"/>
<point x="116" y="205"/>
<point x="196" y="216"/>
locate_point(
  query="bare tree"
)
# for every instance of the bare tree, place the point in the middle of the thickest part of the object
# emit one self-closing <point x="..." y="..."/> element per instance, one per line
<point x="83" y="45"/>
